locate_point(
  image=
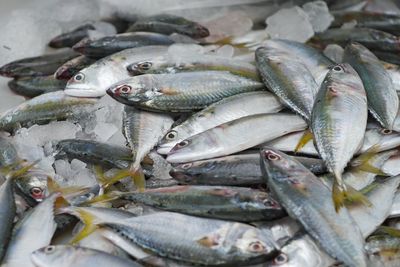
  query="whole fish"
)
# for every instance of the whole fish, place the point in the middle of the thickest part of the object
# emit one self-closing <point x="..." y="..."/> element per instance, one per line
<point x="338" y="122"/>
<point x="69" y="39"/>
<point x="228" y="109"/>
<point x="239" y="170"/>
<point x="201" y="241"/>
<point x="143" y="130"/>
<point x="385" y="22"/>
<point x="32" y="232"/>
<point x="383" y="101"/>
<point x="94" y="80"/>
<point x="7" y="214"/>
<point x="227" y="203"/>
<point x="305" y="199"/>
<point x="44" y="108"/>
<point x="180" y="92"/>
<point x="72" y="67"/>
<point x="34" y="86"/>
<point x="168" y="24"/>
<point x="37" y="66"/>
<point x="370" y="38"/>
<point x="177" y="63"/>
<point x="65" y="256"/>
<point x="289" y="79"/>
<point x="94" y="152"/>
<point x="112" y="44"/>
<point x="231" y="137"/>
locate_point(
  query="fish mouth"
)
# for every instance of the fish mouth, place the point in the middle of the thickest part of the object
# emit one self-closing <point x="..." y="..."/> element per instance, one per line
<point x="164" y="149"/>
<point x="118" y="97"/>
<point x="84" y="92"/>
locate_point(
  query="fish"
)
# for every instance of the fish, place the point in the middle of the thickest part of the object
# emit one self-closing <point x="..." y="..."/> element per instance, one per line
<point x="173" y="63"/>
<point x="205" y="241"/>
<point x="233" y="170"/>
<point x="25" y="238"/>
<point x="297" y="92"/>
<point x="370" y="38"/>
<point x="69" y="39"/>
<point x="94" y="152"/>
<point x="37" y="66"/>
<point x="94" y="80"/>
<point x="44" y="108"/>
<point x="142" y="131"/>
<point x="73" y="66"/>
<point x="64" y="255"/>
<point x="168" y="24"/>
<point x="315" y="61"/>
<point x="228" y="109"/>
<point x="34" y="86"/>
<point x="7" y="214"/>
<point x="218" y="202"/>
<point x="384" y="22"/>
<point x="383" y="101"/>
<point x="231" y="137"/>
<point x="338" y="123"/>
<point x="304" y="197"/>
<point x="180" y="92"/>
<point x="109" y="45"/>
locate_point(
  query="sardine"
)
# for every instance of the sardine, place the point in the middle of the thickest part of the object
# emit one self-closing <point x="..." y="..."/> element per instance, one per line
<point x="232" y="137"/>
<point x="338" y="123"/>
<point x="180" y="92"/>
<point x="34" y="86"/>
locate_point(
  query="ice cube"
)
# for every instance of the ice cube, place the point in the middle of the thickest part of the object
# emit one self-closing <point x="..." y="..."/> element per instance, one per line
<point x="334" y="52"/>
<point x="318" y="14"/>
<point x="104" y="131"/>
<point x="290" y="23"/>
<point x="349" y="25"/>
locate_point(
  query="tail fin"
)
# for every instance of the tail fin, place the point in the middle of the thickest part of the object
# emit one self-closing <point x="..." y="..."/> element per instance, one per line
<point x="363" y="162"/>
<point x="307" y="137"/>
<point x="342" y="193"/>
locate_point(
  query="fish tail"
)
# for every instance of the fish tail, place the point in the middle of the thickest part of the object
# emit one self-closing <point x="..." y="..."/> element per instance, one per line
<point x="307" y="137"/>
<point x="88" y="228"/>
<point x="11" y="173"/>
<point x="338" y="195"/>
<point x="363" y="162"/>
<point x="139" y="179"/>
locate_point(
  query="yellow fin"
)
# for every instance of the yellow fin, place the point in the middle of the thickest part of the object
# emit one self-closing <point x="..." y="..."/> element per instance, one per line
<point x="99" y="172"/>
<point x="21" y="171"/>
<point x="53" y="187"/>
<point x="307" y="137"/>
<point x="229" y="41"/>
<point x="342" y="194"/>
<point x="139" y="180"/>
<point x="89" y="226"/>
<point x="369" y="188"/>
<point x="207" y="241"/>
<point x="363" y="162"/>
<point x="104" y="198"/>
<point x="389" y="230"/>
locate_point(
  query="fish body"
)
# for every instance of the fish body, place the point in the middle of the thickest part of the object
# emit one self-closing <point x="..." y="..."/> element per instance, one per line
<point x="34" y="86"/>
<point x="73" y="66"/>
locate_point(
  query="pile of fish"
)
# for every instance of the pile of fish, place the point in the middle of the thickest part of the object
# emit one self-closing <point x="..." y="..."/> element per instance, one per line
<point x="148" y="143"/>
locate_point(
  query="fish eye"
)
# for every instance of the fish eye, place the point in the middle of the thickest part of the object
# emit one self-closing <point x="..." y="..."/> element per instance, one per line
<point x="183" y="144"/>
<point x="49" y="249"/>
<point x="186" y="166"/>
<point x="281" y="259"/>
<point x="79" y="77"/>
<point x="256" y="246"/>
<point x="386" y="131"/>
<point x="337" y="69"/>
<point x="36" y="192"/>
<point x="145" y="65"/>
<point x="272" y="156"/>
<point x="269" y="202"/>
<point x="171" y="135"/>
<point x="124" y="89"/>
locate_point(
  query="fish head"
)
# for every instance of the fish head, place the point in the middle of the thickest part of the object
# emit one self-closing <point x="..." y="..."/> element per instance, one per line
<point x="33" y="186"/>
<point x="50" y="255"/>
<point x="279" y="167"/>
<point x="170" y="139"/>
<point x="140" y="67"/>
<point x="91" y="81"/>
<point x="187" y="150"/>
<point x="250" y="242"/>
<point x="194" y="30"/>
<point x="133" y="90"/>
